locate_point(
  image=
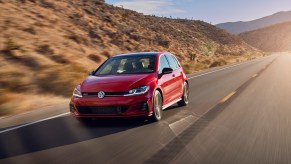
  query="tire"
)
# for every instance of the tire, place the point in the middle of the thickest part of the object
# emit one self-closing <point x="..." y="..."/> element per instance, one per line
<point x="185" y="96"/>
<point x="157" y="107"/>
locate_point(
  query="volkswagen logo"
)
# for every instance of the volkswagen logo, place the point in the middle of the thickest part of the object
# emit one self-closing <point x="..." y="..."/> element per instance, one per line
<point x="101" y="95"/>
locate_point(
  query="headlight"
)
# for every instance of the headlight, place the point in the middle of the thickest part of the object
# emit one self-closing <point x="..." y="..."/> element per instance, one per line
<point x="137" y="91"/>
<point x="77" y="92"/>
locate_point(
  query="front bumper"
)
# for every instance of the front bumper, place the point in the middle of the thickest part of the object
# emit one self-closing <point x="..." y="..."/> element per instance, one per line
<point x="121" y="106"/>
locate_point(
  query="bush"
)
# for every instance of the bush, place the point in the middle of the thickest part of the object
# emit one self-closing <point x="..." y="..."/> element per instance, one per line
<point x="106" y="54"/>
<point x="219" y="62"/>
<point x="60" y="80"/>
<point x="209" y="48"/>
<point x="59" y="59"/>
<point x="193" y="66"/>
<point x="14" y="81"/>
<point x="47" y="4"/>
<point x="192" y="56"/>
<point x="45" y="49"/>
<point x="9" y="46"/>
<point x="187" y="68"/>
<point x="78" y="39"/>
<point x="30" y="30"/>
<point x="95" y="58"/>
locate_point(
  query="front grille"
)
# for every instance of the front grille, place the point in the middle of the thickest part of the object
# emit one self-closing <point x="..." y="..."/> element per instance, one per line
<point x="101" y="109"/>
<point x="106" y="94"/>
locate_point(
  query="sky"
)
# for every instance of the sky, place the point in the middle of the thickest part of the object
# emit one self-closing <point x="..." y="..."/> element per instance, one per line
<point x="211" y="11"/>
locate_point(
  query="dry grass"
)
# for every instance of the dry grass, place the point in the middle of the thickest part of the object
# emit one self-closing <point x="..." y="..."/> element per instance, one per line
<point x="10" y="104"/>
<point x="219" y="62"/>
<point x="193" y="67"/>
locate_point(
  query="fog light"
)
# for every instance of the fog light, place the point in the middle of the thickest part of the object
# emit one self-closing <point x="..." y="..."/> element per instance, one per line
<point x="144" y="106"/>
<point x="72" y="109"/>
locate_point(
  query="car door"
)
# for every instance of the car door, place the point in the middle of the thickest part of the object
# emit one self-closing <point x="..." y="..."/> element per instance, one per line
<point x="177" y="77"/>
<point x="165" y="81"/>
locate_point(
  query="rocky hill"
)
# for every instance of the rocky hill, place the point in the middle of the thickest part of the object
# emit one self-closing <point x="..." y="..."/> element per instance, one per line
<point x="273" y="38"/>
<point x="48" y="46"/>
<point x="239" y="27"/>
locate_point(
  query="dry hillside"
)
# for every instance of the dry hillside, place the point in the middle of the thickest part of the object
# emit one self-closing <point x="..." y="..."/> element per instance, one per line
<point x="273" y="38"/>
<point x="48" y="46"/>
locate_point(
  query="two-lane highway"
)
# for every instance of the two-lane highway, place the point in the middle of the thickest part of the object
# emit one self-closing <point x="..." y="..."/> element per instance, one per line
<point x="237" y="114"/>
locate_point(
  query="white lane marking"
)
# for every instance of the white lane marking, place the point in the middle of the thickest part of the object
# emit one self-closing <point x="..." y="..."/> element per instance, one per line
<point x="179" y="126"/>
<point x="215" y="71"/>
<point x="31" y="123"/>
<point x="259" y="59"/>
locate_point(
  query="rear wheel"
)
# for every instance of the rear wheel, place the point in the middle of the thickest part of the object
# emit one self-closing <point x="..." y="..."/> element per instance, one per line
<point x="185" y="96"/>
<point x="157" y="106"/>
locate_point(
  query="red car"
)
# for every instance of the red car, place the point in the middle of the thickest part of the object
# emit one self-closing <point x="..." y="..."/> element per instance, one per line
<point x="128" y="85"/>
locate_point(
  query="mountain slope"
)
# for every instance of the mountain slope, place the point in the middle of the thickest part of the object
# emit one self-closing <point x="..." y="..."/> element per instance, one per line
<point x="239" y="27"/>
<point x="272" y="38"/>
<point x="47" y="46"/>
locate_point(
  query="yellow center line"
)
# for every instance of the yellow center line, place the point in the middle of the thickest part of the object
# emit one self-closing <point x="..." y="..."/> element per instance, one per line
<point x="227" y="97"/>
<point x="255" y="75"/>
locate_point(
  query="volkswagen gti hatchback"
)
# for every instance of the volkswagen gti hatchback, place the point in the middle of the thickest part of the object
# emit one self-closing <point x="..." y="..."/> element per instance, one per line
<point x="131" y="85"/>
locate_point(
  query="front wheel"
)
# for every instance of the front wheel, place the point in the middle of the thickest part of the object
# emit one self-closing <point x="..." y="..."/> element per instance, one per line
<point x="185" y="96"/>
<point x="157" y="107"/>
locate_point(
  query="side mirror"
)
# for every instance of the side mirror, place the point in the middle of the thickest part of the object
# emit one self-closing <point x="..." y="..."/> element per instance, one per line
<point x="167" y="71"/>
<point x="91" y="73"/>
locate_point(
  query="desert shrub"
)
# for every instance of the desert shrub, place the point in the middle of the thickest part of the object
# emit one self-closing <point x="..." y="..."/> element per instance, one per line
<point x="206" y="61"/>
<point x="187" y="68"/>
<point x="192" y="56"/>
<point x="59" y="59"/>
<point x="164" y="43"/>
<point x="45" y="49"/>
<point x="9" y="46"/>
<point x="95" y="58"/>
<point x="25" y="60"/>
<point x="60" y="80"/>
<point x="77" y="38"/>
<point x="30" y="30"/>
<point x="29" y="62"/>
<point x="5" y="103"/>
<point x="93" y="34"/>
<point x="193" y="66"/>
<point x="5" y="97"/>
<point x="14" y="81"/>
<point x="47" y="4"/>
<point x="209" y="48"/>
<point x="219" y="62"/>
<point x="106" y="54"/>
<point x="135" y="37"/>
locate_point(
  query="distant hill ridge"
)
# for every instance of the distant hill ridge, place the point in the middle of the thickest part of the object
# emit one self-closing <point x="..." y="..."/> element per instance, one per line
<point x="273" y="38"/>
<point x="239" y="27"/>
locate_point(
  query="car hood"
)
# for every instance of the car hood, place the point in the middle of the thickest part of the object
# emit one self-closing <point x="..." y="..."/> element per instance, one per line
<point x="115" y="83"/>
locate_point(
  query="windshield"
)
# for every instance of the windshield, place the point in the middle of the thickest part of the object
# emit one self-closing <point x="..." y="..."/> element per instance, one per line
<point x="133" y="64"/>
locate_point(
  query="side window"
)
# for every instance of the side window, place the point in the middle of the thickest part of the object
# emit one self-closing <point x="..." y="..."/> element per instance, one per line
<point x="176" y="60"/>
<point x="173" y="63"/>
<point x="163" y="63"/>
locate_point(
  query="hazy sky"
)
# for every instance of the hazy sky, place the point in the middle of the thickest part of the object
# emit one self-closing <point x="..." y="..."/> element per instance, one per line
<point x="211" y="11"/>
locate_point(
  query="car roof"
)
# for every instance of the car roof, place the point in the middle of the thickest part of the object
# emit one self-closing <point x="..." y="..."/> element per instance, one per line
<point x="141" y="53"/>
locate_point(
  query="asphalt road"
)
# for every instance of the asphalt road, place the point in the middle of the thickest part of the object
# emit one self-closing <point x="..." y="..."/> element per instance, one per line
<point x="237" y="114"/>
